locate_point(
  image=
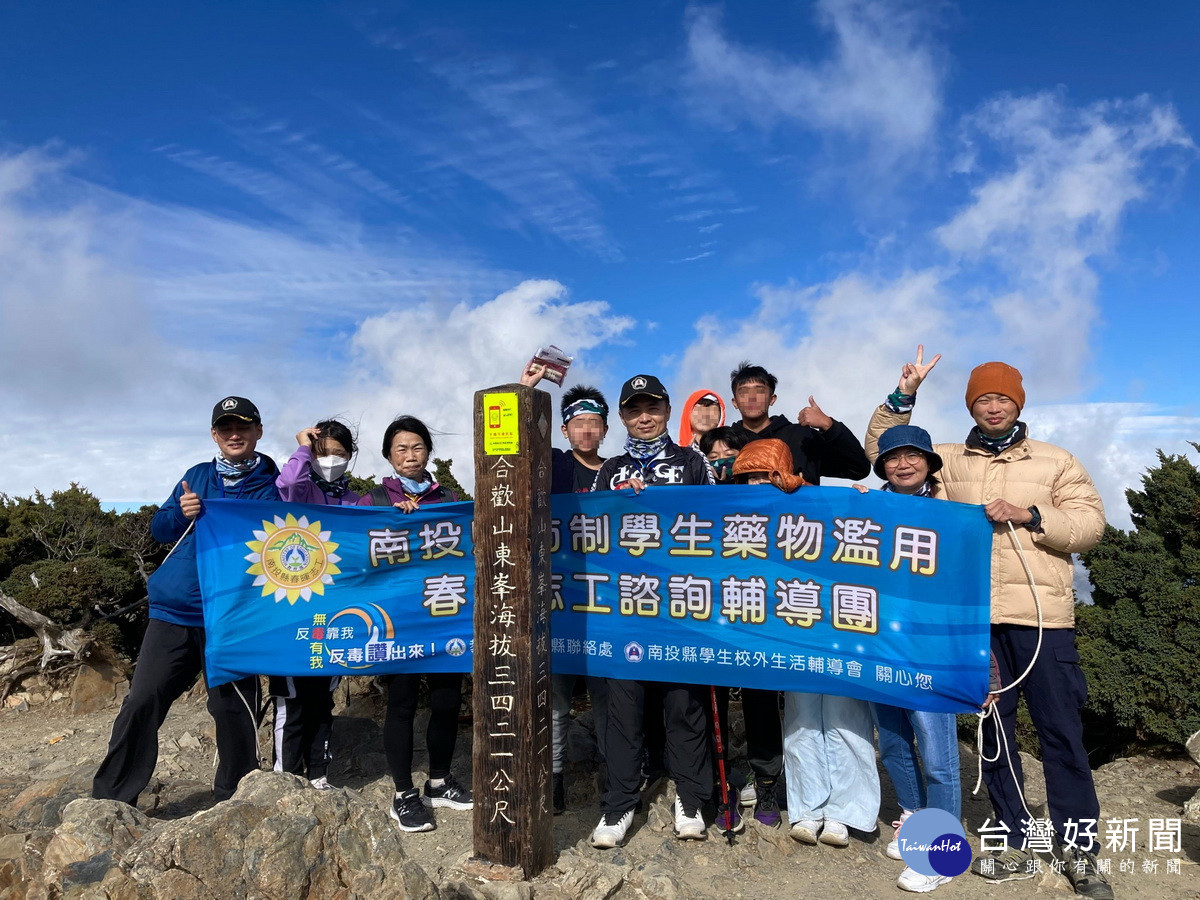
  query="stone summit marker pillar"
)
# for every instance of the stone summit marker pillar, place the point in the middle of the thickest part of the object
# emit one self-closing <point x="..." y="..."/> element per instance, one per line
<point x="512" y="819"/>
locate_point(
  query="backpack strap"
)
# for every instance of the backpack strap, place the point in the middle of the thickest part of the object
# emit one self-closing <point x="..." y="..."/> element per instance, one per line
<point x="380" y="496"/>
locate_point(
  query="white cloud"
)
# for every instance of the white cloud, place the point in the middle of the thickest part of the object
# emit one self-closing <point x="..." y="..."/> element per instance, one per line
<point x="1116" y="442"/>
<point x="880" y="85"/>
<point x="123" y="321"/>
<point x="842" y="342"/>
<point x="86" y="383"/>
<point x="547" y="144"/>
<point x="429" y="359"/>
<point x="1053" y="207"/>
<point x="1018" y="283"/>
<point x="515" y="129"/>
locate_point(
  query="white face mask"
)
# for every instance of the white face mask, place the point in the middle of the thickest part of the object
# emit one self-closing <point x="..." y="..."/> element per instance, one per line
<point x="331" y="468"/>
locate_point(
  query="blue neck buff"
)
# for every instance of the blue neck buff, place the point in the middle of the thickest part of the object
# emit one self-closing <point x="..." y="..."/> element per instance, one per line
<point x="234" y="471"/>
<point x="646" y="450"/>
<point x="997" y="445"/>
<point x="416" y="487"/>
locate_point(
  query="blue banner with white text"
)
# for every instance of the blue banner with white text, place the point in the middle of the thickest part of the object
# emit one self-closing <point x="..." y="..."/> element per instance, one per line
<point x="876" y="596"/>
<point x="296" y="589"/>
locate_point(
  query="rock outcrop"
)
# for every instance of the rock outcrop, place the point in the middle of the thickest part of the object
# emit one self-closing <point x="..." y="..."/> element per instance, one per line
<point x="276" y="838"/>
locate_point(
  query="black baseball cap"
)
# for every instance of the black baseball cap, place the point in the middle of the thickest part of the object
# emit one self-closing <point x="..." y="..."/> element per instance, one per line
<point x="643" y="384"/>
<point x="237" y="408"/>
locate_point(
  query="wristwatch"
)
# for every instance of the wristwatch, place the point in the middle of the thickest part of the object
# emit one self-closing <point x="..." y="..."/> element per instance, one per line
<point x="1034" y="524"/>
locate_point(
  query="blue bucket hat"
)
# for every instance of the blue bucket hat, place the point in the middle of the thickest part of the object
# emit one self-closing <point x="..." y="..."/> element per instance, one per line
<point x="906" y="436"/>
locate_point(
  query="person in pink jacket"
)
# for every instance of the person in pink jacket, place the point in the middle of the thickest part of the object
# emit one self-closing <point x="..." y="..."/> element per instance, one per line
<point x="317" y="473"/>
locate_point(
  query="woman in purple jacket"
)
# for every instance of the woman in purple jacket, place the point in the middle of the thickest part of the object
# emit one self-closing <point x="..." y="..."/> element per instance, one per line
<point x="407" y="446"/>
<point x="316" y="473"/>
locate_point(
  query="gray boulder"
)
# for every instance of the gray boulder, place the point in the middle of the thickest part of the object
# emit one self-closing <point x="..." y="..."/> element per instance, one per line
<point x="277" y="837"/>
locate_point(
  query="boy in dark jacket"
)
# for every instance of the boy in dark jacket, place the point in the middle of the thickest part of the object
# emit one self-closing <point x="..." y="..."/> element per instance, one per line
<point x="172" y="651"/>
<point x="820" y="445"/>
<point x="584" y="425"/>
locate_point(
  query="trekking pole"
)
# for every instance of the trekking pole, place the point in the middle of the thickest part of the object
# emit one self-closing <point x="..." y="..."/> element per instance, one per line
<point x="728" y="831"/>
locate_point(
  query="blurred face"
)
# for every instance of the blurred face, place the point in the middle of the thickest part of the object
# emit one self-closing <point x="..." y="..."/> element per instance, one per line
<point x="995" y="414"/>
<point x="585" y="432"/>
<point x="408" y="454"/>
<point x="236" y="438"/>
<point x="705" y="416"/>
<point x="721" y="450"/>
<point x="757" y="478"/>
<point x="906" y="469"/>
<point x="645" y="417"/>
<point x="753" y="400"/>
<point x="327" y="446"/>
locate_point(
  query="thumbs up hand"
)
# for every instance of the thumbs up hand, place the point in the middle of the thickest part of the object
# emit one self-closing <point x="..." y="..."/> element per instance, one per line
<point x="189" y="503"/>
<point x="814" y="417"/>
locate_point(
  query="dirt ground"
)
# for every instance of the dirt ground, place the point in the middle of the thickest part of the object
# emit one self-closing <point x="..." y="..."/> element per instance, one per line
<point x="47" y="742"/>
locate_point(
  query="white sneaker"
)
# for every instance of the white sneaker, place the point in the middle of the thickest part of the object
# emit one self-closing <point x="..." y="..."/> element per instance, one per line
<point x="689" y="825"/>
<point x="913" y="881"/>
<point x="835" y="834"/>
<point x="748" y="795"/>
<point x="806" y="830"/>
<point x="611" y="831"/>
<point x="321" y="784"/>
<point x="893" y="847"/>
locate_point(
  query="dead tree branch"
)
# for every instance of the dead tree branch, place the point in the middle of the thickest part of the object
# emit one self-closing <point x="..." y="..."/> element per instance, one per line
<point x="56" y="641"/>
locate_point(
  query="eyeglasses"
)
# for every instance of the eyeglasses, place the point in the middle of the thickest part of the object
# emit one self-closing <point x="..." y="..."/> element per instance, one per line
<point x="909" y="456"/>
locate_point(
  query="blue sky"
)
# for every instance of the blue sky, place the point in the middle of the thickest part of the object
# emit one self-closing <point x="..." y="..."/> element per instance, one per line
<point x="374" y="209"/>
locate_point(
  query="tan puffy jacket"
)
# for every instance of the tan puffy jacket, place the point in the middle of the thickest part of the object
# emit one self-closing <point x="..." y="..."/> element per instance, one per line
<point x="1029" y="473"/>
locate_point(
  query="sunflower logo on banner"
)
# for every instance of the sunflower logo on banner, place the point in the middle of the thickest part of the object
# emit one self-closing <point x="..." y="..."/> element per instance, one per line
<point x="292" y="559"/>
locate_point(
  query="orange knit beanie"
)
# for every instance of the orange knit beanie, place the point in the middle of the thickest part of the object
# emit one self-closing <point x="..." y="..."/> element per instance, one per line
<point x="995" y="378"/>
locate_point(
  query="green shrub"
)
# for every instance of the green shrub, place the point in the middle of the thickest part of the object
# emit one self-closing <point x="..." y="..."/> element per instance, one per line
<point x="1139" y="641"/>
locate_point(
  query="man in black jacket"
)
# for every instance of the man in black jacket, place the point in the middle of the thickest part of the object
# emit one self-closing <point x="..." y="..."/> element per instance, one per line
<point x="820" y="445"/>
<point x="651" y="459"/>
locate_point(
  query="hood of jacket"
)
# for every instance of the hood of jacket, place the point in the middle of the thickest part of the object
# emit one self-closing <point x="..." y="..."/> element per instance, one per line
<point x="685" y="422"/>
<point x="774" y="427"/>
<point x="772" y="456"/>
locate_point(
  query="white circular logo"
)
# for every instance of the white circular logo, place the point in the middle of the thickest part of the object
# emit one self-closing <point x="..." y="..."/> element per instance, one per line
<point x="638" y="383"/>
<point x="456" y="646"/>
<point x="633" y="652"/>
